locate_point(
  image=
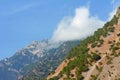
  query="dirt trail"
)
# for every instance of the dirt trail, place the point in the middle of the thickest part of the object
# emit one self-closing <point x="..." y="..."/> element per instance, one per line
<point x="60" y="68"/>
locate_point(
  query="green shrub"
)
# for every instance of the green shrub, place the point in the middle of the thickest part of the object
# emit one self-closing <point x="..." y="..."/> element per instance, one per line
<point x="96" y="57"/>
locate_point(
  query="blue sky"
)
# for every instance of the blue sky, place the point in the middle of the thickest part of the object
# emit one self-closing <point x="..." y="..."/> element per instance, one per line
<point x="24" y="21"/>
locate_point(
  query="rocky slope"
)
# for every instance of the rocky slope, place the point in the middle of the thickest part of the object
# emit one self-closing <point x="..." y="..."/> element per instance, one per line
<point x="96" y="58"/>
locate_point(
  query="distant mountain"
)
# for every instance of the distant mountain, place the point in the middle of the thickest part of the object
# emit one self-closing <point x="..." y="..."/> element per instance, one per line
<point x="24" y="61"/>
<point x="11" y="67"/>
<point x="51" y="61"/>
<point x="96" y="58"/>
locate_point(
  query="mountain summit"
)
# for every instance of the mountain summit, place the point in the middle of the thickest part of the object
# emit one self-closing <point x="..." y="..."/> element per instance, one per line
<point x="11" y="68"/>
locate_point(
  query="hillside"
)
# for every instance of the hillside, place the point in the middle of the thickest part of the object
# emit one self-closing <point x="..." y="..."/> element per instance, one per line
<point x="95" y="58"/>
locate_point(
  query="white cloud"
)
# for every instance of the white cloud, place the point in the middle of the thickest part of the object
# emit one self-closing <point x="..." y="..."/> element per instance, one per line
<point x="77" y="27"/>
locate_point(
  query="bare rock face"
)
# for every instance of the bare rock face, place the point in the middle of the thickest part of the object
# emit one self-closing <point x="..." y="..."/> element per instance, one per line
<point x="111" y="71"/>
